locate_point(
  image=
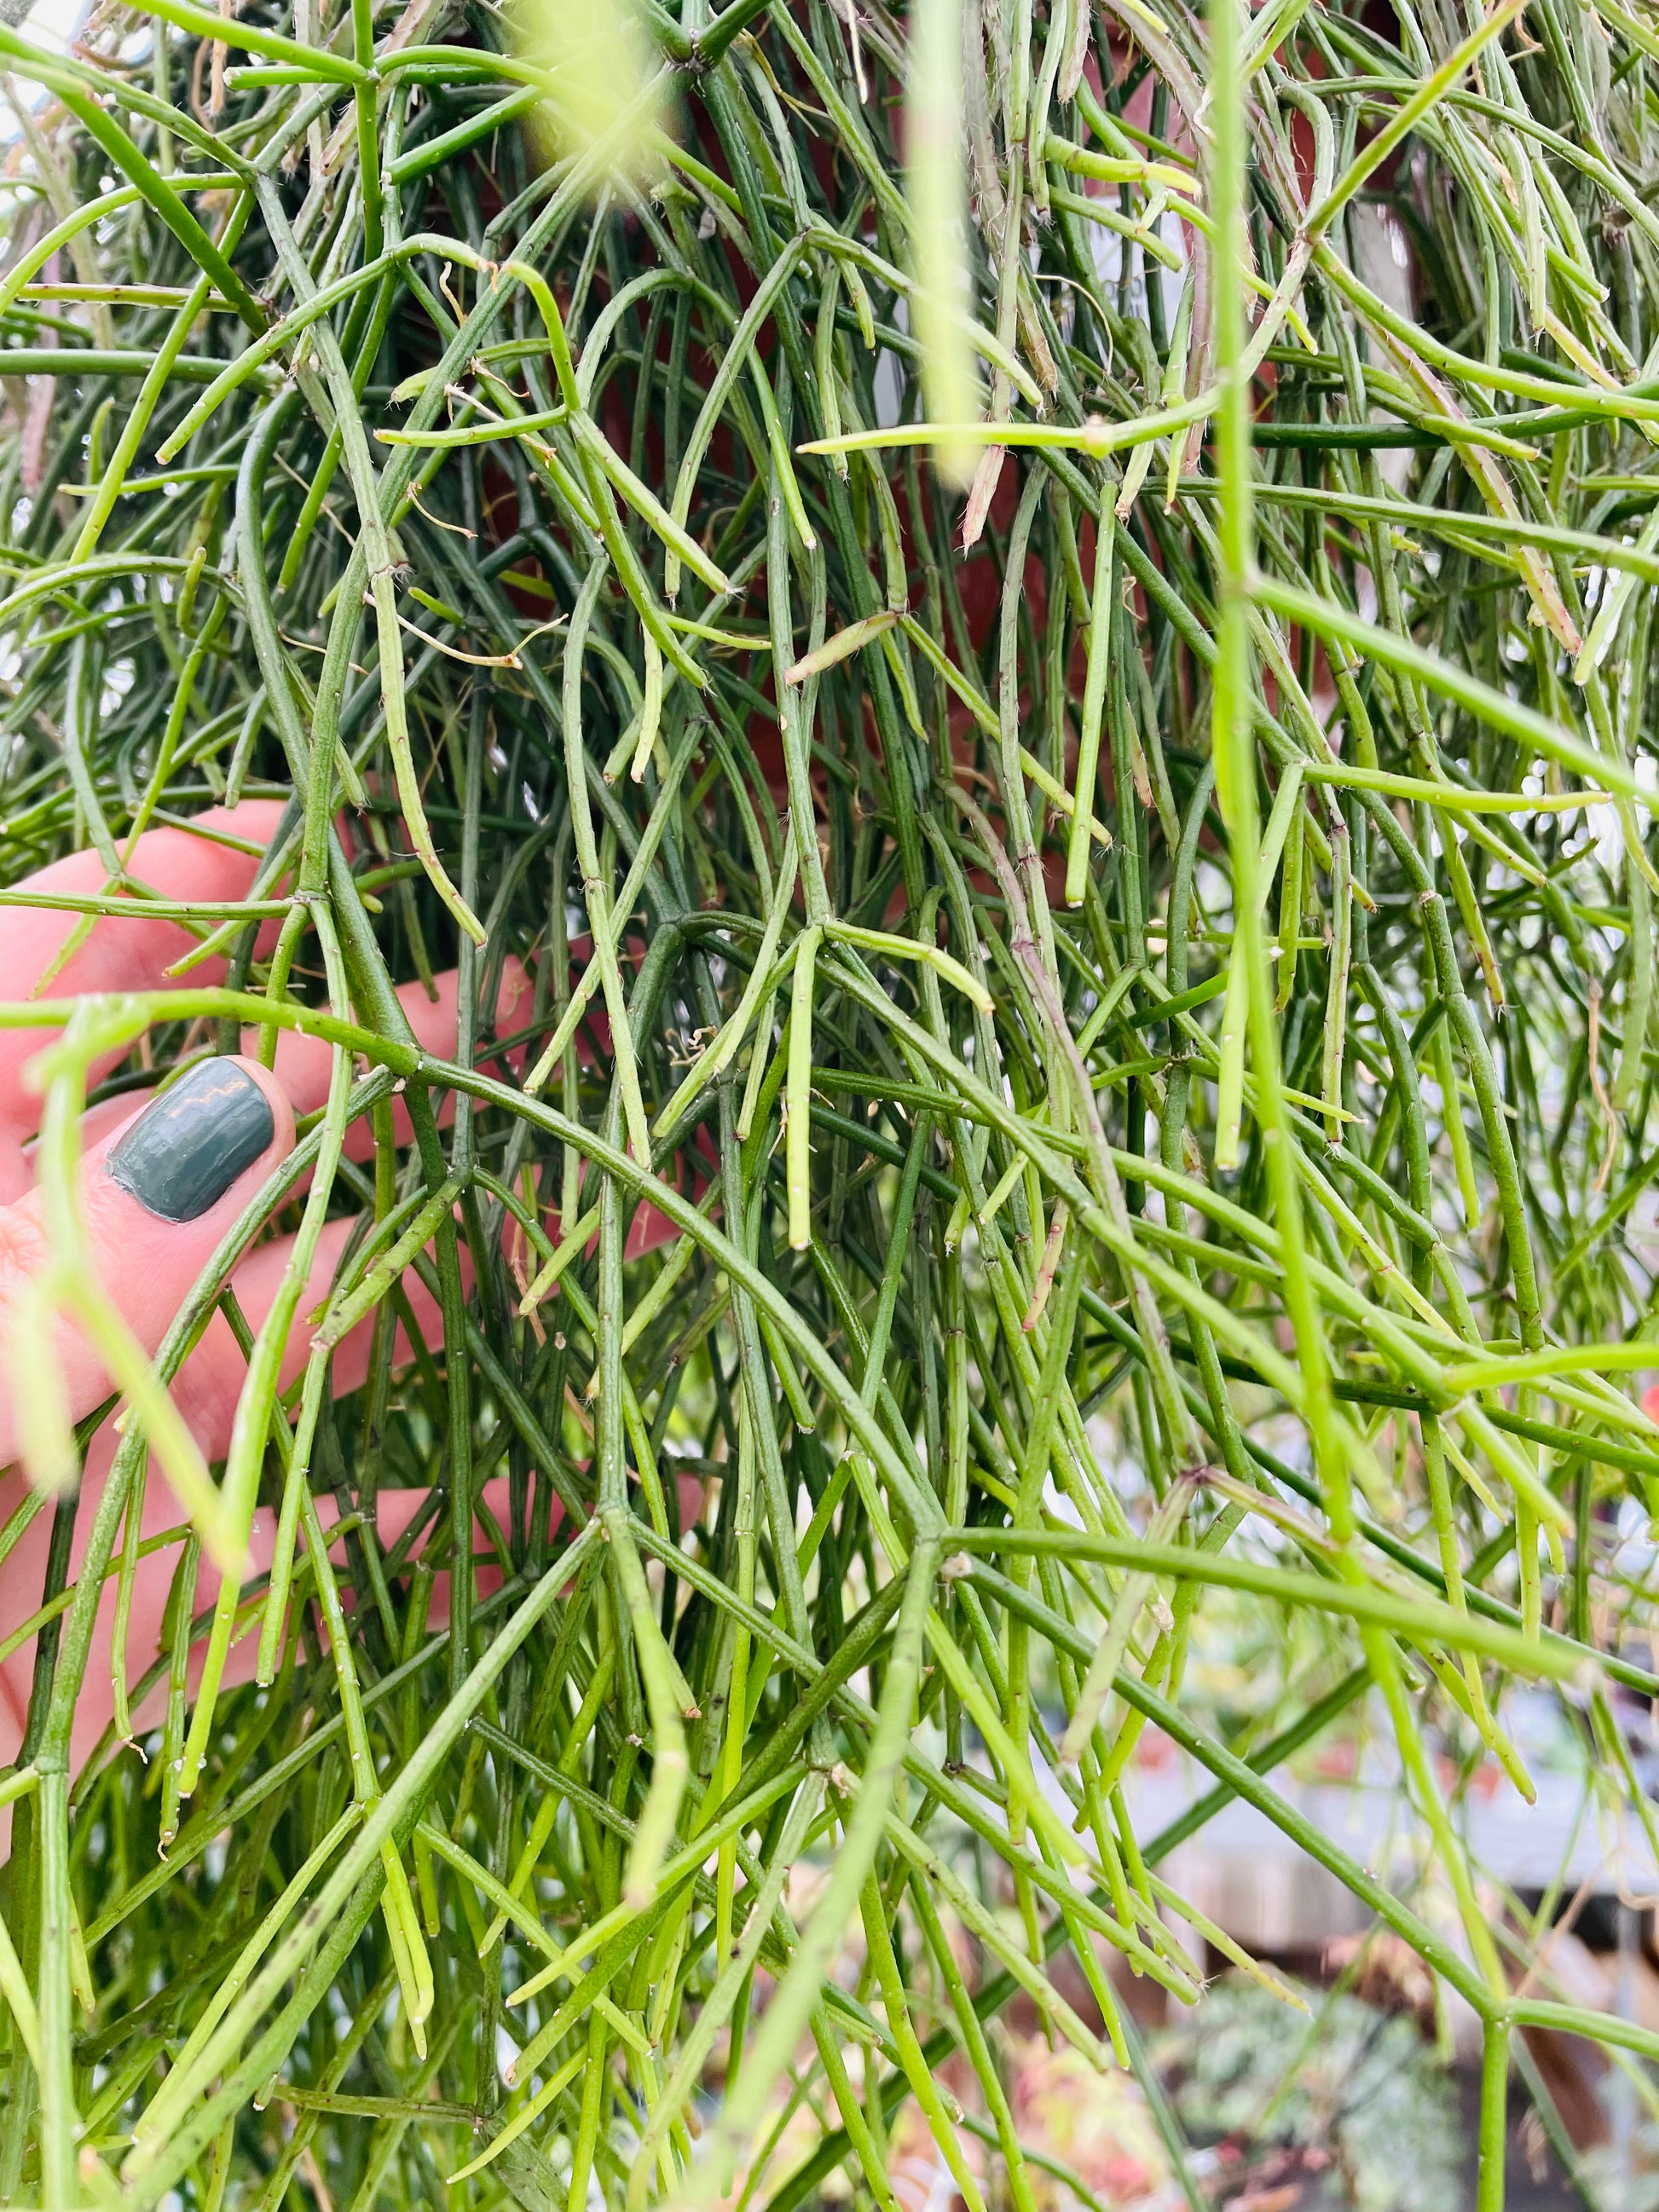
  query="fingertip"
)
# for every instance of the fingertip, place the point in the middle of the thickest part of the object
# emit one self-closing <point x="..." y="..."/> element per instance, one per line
<point x="283" y="1137"/>
<point x="158" y="1195"/>
<point x="277" y="1097"/>
<point x="202" y="1145"/>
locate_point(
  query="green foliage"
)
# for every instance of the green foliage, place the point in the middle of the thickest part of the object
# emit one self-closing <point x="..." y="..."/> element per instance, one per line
<point x="1140" y="1032"/>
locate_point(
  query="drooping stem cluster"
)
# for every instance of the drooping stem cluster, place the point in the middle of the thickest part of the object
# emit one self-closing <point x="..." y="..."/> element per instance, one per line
<point x="1123" y="964"/>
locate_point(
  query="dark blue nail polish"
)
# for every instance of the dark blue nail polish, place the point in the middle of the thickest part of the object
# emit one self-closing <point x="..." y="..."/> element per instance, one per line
<point x="185" y="1151"/>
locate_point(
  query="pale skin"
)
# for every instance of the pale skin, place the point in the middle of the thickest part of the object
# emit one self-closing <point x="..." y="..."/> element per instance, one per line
<point x="149" y="1265"/>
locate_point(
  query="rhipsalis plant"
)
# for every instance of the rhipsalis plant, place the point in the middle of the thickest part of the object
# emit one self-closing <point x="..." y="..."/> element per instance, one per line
<point x="1007" y="646"/>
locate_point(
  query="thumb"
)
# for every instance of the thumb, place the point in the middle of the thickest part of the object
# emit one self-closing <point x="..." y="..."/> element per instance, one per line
<point x="156" y="1195"/>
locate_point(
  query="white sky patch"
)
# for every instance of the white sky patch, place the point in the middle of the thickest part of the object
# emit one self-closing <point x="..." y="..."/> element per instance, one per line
<point x="1603" y="820"/>
<point x="51" y="24"/>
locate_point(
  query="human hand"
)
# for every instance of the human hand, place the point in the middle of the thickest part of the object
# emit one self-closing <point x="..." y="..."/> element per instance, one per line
<point x="160" y="1184"/>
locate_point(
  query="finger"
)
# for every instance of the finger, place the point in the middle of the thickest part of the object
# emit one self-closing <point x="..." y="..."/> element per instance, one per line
<point x="395" y="1513"/>
<point x="206" y="1392"/>
<point x="95" y="1708"/>
<point x="210" y="1381"/>
<point x="213" y="862"/>
<point x="156" y="1197"/>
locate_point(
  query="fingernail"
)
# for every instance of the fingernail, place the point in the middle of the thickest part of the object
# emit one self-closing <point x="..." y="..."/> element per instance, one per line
<point x="183" y="1154"/>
